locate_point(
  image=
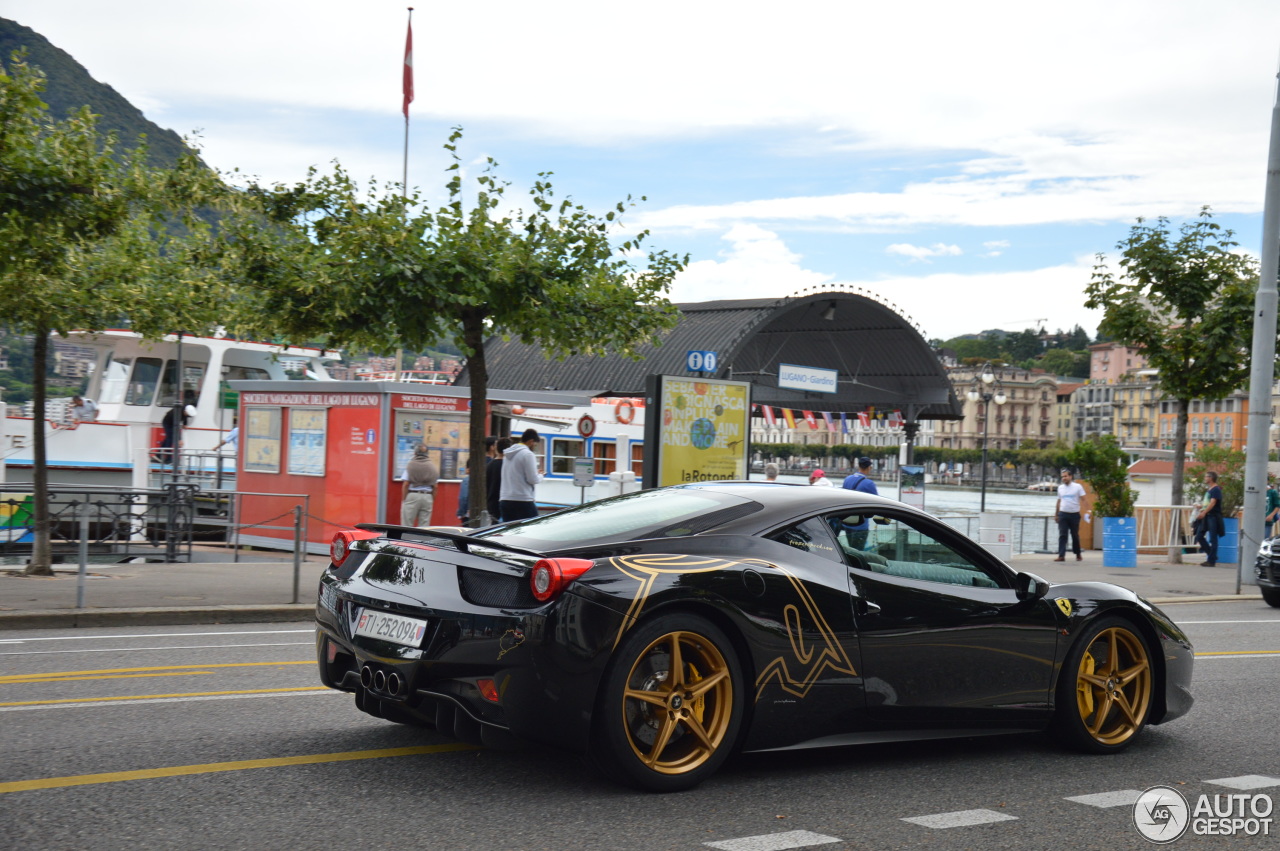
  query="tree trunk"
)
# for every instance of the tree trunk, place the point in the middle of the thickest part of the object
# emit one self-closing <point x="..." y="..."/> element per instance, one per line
<point x="41" y="563"/>
<point x="473" y="341"/>
<point x="1179" y="465"/>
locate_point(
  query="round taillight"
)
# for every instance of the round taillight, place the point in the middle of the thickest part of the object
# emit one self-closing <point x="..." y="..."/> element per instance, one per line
<point x="552" y="575"/>
<point x="338" y="550"/>
<point x="544" y="579"/>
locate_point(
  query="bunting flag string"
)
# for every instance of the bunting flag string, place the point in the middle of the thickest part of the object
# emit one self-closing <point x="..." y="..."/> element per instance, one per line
<point x="865" y="419"/>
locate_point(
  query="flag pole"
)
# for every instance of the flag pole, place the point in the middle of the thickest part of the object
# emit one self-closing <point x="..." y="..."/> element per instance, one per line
<point x="408" y="99"/>
<point x="404" y="174"/>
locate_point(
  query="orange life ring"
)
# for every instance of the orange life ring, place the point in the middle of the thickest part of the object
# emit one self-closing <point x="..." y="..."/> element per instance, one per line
<point x="625" y="412"/>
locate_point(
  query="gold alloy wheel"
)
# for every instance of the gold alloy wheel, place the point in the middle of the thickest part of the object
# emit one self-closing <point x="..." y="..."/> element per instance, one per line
<point x="1113" y="686"/>
<point x="678" y="702"/>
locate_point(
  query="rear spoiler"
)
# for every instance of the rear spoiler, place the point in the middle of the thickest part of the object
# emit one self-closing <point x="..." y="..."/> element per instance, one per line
<point x="460" y="541"/>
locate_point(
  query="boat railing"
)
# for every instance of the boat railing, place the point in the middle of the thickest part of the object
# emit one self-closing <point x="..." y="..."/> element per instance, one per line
<point x="107" y="521"/>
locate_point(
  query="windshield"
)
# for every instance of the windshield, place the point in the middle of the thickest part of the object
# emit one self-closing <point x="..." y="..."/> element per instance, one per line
<point x="666" y="512"/>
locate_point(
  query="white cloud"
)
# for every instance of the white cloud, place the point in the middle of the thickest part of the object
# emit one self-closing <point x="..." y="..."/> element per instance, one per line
<point x="757" y="265"/>
<point x="923" y="252"/>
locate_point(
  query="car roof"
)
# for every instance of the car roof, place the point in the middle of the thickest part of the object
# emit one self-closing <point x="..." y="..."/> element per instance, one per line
<point x="798" y="497"/>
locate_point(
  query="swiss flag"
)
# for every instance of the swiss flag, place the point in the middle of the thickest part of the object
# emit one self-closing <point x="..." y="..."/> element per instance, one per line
<point x="811" y="420"/>
<point x="408" y="70"/>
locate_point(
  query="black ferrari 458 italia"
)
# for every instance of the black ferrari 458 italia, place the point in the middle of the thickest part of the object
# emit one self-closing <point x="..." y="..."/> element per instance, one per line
<point x="660" y="631"/>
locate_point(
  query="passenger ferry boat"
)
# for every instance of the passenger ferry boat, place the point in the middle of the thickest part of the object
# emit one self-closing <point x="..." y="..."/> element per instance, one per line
<point x="135" y="383"/>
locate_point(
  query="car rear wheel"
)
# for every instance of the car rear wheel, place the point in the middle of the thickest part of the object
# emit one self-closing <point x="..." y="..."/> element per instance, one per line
<point x="671" y="705"/>
<point x="1272" y="596"/>
<point x="1104" y="696"/>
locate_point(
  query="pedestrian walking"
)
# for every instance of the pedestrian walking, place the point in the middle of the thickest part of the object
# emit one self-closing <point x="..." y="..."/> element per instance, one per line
<point x="860" y="481"/>
<point x="519" y="475"/>
<point x="418" y="493"/>
<point x="1067" y="513"/>
<point x="819" y="478"/>
<point x="1208" y="520"/>
<point x="1273" y="504"/>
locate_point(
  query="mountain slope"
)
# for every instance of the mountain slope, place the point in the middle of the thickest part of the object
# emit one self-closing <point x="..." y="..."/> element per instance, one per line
<point x="69" y="87"/>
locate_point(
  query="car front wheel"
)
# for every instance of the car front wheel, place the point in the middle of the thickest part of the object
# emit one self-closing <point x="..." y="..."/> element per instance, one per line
<point x="671" y="705"/>
<point x="1104" y="696"/>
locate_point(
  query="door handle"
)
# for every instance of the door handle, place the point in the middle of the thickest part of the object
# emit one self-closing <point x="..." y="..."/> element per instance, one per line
<point x="863" y="606"/>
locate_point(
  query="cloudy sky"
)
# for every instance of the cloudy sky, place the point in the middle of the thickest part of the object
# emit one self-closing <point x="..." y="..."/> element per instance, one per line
<point x="964" y="162"/>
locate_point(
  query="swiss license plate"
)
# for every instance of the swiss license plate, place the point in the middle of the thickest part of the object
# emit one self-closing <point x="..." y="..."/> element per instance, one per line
<point x="393" y="628"/>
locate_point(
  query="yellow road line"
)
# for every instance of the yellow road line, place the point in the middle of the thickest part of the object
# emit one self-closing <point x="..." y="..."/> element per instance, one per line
<point x="77" y="679"/>
<point x="154" y="696"/>
<point x="1239" y="653"/>
<point x="21" y="677"/>
<point x="212" y="767"/>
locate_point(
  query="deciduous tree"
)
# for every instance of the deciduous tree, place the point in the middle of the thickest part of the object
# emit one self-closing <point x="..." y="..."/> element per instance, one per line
<point x="1185" y="300"/>
<point x="323" y="260"/>
<point x="86" y="238"/>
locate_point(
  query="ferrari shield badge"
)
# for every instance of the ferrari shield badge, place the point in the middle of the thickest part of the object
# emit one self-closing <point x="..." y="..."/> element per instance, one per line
<point x="1065" y="605"/>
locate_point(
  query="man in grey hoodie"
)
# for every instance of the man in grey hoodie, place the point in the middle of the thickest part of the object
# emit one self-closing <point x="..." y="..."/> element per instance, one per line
<point x="519" y="475"/>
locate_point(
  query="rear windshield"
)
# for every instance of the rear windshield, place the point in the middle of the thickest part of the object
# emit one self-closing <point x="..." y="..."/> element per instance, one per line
<point x="666" y="512"/>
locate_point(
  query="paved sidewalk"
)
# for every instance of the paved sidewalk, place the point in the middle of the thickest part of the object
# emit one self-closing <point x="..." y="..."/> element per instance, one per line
<point x="204" y="592"/>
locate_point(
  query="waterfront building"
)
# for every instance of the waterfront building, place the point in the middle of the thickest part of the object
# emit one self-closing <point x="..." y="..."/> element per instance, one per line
<point x="1136" y="406"/>
<point x="1064" y="412"/>
<point x="1028" y="413"/>
<point x="1093" y="412"/>
<point x="1109" y="362"/>
<point x="1216" y="422"/>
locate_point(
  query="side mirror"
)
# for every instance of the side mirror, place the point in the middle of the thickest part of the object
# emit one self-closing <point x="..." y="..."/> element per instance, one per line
<point x="1029" y="587"/>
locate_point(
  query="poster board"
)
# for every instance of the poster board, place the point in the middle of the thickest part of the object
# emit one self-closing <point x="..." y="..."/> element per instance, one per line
<point x="262" y="440"/>
<point x="308" y="431"/>
<point x="697" y="430"/>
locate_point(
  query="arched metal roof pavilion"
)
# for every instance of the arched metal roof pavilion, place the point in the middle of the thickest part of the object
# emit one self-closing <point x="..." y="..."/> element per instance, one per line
<point x="881" y="357"/>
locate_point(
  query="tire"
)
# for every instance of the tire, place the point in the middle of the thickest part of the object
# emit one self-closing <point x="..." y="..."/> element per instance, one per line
<point x="1272" y="596"/>
<point x="1106" y="688"/>
<point x="663" y="730"/>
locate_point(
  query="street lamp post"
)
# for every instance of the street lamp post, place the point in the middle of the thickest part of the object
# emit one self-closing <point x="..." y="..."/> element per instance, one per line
<point x="986" y="388"/>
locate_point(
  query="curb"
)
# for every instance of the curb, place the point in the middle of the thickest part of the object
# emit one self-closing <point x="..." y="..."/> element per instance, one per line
<point x="159" y="616"/>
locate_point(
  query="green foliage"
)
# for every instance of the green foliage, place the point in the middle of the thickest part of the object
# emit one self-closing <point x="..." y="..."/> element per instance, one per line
<point x="1186" y="302"/>
<point x="1065" y="362"/>
<point x="1104" y="465"/>
<point x="1229" y="465"/>
<point x="85" y="227"/>
<point x="378" y="270"/>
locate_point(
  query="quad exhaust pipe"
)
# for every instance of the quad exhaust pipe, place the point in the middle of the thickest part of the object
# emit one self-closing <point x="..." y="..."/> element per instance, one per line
<point x="380" y="680"/>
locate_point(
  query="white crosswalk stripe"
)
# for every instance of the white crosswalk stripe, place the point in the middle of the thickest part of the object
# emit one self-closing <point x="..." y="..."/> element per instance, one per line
<point x="1122" y="798"/>
<point x="962" y="818"/>
<point x="774" y="841"/>
<point x="1248" y="781"/>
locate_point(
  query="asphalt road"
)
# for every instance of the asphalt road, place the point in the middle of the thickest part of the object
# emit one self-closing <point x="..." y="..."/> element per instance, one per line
<point x="218" y="737"/>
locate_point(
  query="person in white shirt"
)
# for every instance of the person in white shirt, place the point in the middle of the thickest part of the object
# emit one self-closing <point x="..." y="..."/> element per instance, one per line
<point x="233" y="437"/>
<point x="1067" y="513"/>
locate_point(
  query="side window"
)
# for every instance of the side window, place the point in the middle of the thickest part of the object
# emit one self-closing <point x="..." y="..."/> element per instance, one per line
<point x="900" y="547"/>
<point x="812" y="536"/>
<point x="563" y="452"/>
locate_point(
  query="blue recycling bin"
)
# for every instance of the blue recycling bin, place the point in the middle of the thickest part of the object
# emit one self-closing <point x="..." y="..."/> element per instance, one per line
<point x="1119" y="542"/>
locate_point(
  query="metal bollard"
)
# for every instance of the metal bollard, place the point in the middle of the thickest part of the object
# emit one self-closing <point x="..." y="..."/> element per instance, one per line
<point x="297" y="550"/>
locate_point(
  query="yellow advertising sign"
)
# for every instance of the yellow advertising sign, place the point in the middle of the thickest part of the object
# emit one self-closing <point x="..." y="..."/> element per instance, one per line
<point x="703" y="430"/>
